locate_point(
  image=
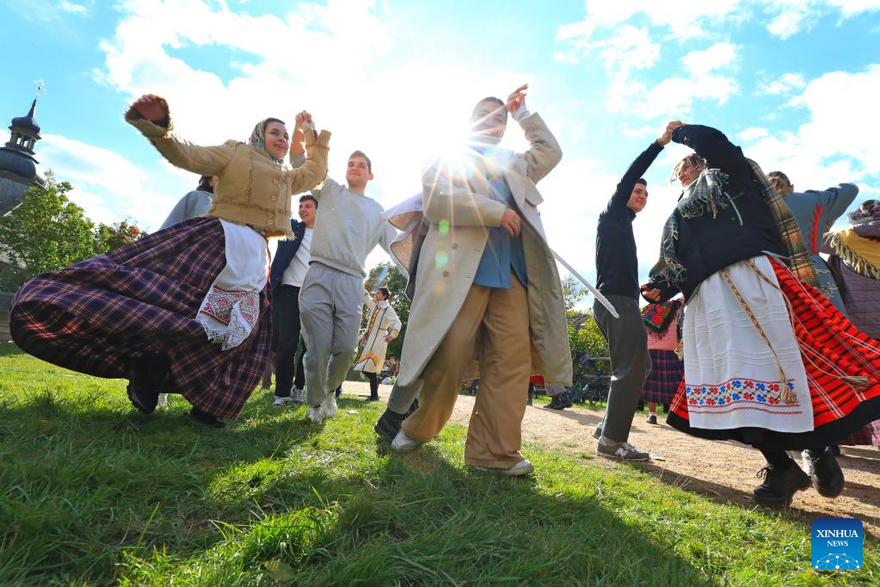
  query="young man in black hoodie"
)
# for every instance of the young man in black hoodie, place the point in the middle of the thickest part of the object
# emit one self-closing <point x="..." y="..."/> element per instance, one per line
<point x="617" y="269"/>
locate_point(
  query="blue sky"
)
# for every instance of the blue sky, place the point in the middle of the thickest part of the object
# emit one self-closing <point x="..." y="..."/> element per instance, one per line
<point x="796" y="83"/>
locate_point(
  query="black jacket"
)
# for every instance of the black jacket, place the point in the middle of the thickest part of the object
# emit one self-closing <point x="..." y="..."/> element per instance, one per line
<point x="617" y="266"/>
<point x="743" y="229"/>
<point x="285" y="253"/>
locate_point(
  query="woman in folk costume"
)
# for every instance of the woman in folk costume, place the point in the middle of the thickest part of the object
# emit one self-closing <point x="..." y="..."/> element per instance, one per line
<point x="183" y="309"/>
<point x="383" y="326"/>
<point x="769" y="361"/>
<point x="856" y="265"/>
<point x="663" y="323"/>
<point x="815" y="212"/>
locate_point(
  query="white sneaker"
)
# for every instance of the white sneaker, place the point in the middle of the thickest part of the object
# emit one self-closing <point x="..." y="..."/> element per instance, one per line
<point x="403" y="443"/>
<point x="524" y="467"/>
<point x="280" y="401"/>
<point x="163" y="400"/>
<point x="807" y="462"/>
<point x="316" y="414"/>
<point x="329" y="406"/>
<point x="297" y="395"/>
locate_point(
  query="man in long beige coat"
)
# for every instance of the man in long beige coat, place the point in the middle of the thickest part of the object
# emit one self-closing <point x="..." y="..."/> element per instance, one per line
<point x="486" y="287"/>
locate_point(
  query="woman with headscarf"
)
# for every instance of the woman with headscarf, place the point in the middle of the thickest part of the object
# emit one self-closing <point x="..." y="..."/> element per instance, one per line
<point x="769" y="361"/>
<point x="856" y="266"/>
<point x="183" y="309"/>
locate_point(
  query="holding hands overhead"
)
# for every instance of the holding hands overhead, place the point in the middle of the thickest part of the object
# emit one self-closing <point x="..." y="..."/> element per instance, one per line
<point x="666" y="137"/>
<point x="517" y="98"/>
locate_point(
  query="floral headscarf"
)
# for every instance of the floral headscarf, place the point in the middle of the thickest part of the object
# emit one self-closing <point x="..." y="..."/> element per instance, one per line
<point x="258" y="140"/>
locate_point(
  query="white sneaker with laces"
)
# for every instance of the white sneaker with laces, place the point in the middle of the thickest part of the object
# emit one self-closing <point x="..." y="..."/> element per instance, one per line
<point x="297" y="395"/>
<point x="316" y="414"/>
<point x="624" y="451"/>
<point x="329" y="406"/>
<point x="280" y="401"/>
<point x="524" y="467"/>
<point x="403" y="443"/>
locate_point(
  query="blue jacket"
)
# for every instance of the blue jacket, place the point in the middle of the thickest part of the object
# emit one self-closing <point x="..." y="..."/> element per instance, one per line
<point x="285" y="253"/>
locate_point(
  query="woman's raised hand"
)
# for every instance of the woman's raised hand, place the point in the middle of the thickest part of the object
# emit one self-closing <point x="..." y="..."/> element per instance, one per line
<point x="304" y="121"/>
<point x="152" y="107"/>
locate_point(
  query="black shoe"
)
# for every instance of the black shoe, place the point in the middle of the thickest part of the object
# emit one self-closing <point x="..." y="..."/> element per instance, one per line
<point x="780" y="486"/>
<point x="825" y="473"/>
<point x="652" y="419"/>
<point x="372" y="399"/>
<point x="556" y="403"/>
<point x="566" y="403"/>
<point x="145" y="377"/>
<point x="389" y="424"/>
<point x="197" y="415"/>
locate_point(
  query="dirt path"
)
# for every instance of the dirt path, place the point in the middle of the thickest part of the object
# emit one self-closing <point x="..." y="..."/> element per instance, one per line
<point x="725" y="470"/>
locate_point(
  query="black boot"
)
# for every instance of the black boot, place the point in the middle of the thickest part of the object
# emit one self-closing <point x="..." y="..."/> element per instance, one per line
<point x="389" y="424"/>
<point x="146" y="374"/>
<point x="564" y="401"/>
<point x="555" y="404"/>
<point x="825" y="472"/>
<point x="197" y="415"/>
<point x="780" y="486"/>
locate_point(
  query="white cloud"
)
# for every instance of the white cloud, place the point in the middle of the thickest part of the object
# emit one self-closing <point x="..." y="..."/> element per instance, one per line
<point x="106" y="184"/>
<point x="74" y="8"/>
<point x="837" y="143"/>
<point x="785" y="84"/>
<point x="718" y="56"/>
<point x="752" y="133"/>
<point x="685" y="20"/>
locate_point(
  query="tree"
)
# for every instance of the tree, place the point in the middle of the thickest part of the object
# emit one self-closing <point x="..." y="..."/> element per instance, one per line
<point x="118" y="234"/>
<point x="585" y="340"/>
<point x="572" y="293"/>
<point x="387" y="275"/>
<point x="45" y="232"/>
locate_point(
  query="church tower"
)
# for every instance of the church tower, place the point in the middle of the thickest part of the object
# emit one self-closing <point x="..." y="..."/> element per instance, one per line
<point x="19" y="169"/>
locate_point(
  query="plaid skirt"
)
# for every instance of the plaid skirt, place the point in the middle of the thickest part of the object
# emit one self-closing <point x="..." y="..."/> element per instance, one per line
<point x="832" y="349"/>
<point x="96" y="315"/>
<point x="667" y="371"/>
<point x="868" y="435"/>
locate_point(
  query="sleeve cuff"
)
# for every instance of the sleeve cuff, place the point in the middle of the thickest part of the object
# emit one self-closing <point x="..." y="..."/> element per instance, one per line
<point x="520" y="114"/>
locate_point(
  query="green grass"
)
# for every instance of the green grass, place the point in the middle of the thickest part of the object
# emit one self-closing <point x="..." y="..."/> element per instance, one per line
<point x="93" y="493"/>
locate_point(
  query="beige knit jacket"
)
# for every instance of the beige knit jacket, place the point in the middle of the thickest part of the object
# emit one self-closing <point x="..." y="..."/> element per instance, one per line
<point x="253" y="189"/>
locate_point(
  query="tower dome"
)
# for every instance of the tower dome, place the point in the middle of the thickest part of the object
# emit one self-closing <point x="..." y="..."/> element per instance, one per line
<point x="19" y="169"/>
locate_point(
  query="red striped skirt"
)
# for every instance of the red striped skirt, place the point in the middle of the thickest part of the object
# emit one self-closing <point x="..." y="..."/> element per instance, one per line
<point x="96" y="315"/>
<point x="832" y="349"/>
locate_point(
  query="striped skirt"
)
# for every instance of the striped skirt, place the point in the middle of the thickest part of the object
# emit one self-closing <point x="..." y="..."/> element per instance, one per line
<point x="667" y="371"/>
<point x="843" y="374"/>
<point x="95" y="316"/>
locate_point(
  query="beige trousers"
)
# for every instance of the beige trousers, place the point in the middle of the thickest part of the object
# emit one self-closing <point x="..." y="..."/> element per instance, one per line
<point x="501" y="318"/>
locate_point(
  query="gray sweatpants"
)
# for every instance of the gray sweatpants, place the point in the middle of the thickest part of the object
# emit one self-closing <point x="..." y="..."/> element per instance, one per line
<point x="330" y="306"/>
<point x="630" y="363"/>
<point x="401" y="398"/>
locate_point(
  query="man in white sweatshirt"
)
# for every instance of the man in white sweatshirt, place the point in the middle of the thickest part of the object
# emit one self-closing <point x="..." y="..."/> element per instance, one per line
<point x="347" y="228"/>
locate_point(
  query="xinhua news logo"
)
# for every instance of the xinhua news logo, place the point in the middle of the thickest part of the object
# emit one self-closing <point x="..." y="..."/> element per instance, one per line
<point x="836" y="544"/>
